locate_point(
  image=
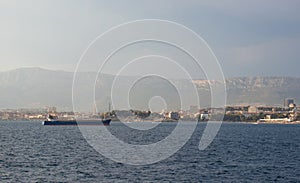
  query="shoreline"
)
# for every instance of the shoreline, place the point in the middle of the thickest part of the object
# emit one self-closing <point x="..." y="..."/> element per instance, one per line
<point x="231" y="122"/>
<point x="283" y="123"/>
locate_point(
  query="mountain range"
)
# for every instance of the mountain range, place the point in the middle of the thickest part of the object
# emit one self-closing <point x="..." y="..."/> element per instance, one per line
<point x="37" y="87"/>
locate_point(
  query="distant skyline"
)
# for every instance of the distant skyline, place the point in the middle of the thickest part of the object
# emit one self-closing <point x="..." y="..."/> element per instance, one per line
<point x="250" y="38"/>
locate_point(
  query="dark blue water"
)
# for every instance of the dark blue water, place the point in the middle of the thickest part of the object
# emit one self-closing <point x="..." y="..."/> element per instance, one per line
<point x="30" y="152"/>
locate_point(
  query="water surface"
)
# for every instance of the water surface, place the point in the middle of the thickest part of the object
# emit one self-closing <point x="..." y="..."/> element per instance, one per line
<point x="30" y="152"/>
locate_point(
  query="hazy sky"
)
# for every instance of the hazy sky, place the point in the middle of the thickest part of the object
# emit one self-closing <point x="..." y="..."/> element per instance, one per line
<point x="249" y="38"/>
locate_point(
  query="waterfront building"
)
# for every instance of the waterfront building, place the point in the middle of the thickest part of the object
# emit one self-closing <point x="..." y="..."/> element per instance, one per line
<point x="252" y="110"/>
<point x="288" y="101"/>
<point x="173" y="115"/>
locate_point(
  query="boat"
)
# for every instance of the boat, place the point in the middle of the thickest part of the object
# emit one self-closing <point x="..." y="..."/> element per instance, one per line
<point x="51" y="120"/>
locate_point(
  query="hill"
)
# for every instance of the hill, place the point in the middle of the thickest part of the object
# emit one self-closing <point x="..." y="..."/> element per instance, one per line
<point x="36" y="87"/>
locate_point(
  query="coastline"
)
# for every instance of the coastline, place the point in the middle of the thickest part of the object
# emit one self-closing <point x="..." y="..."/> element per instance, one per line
<point x="283" y="123"/>
<point x="169" y="121"/>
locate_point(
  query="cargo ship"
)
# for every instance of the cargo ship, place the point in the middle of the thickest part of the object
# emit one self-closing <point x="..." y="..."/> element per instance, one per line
<point x="51" y="120"/>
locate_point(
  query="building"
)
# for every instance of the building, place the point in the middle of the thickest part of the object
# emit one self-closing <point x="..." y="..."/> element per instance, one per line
<point x="203" y="116"/>
<point x="173" y="115"/>
<point x="288" y="101"/>
<point x="252" y="110"/>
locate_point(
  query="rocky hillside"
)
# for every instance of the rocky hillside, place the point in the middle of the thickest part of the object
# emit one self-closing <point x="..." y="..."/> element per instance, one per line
<point x="36" y="87"/>
<point x="258" y="90"/>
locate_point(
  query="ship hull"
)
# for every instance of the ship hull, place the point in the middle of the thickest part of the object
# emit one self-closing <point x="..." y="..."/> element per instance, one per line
<point x="105" y="122"/>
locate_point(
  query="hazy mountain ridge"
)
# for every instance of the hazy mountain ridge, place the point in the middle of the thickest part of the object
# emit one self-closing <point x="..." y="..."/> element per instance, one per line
<point x="261" y="82"/>
<point x="262" y="90"/>
<point x="36" y="87"/>
<point x="253" y="82"/>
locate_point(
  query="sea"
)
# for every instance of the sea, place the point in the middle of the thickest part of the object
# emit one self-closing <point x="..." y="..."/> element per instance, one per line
<point x="241" y="152"/>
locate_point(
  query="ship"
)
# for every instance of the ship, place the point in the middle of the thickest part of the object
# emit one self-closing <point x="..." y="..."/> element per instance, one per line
<point x="51" y="120"/>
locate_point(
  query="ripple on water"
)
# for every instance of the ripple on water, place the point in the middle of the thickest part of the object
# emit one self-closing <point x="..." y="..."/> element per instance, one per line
<point x="30" y="152"/>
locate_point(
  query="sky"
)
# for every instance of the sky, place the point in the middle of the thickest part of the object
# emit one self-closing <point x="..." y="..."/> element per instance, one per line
<point x="249" y="38"/>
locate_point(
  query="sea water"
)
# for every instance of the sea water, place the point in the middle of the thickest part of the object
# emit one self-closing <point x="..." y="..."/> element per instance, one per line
<point x="30" y="152"/>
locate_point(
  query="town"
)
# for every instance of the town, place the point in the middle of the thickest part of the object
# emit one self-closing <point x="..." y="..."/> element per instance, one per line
<point x="288" y="113"/>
